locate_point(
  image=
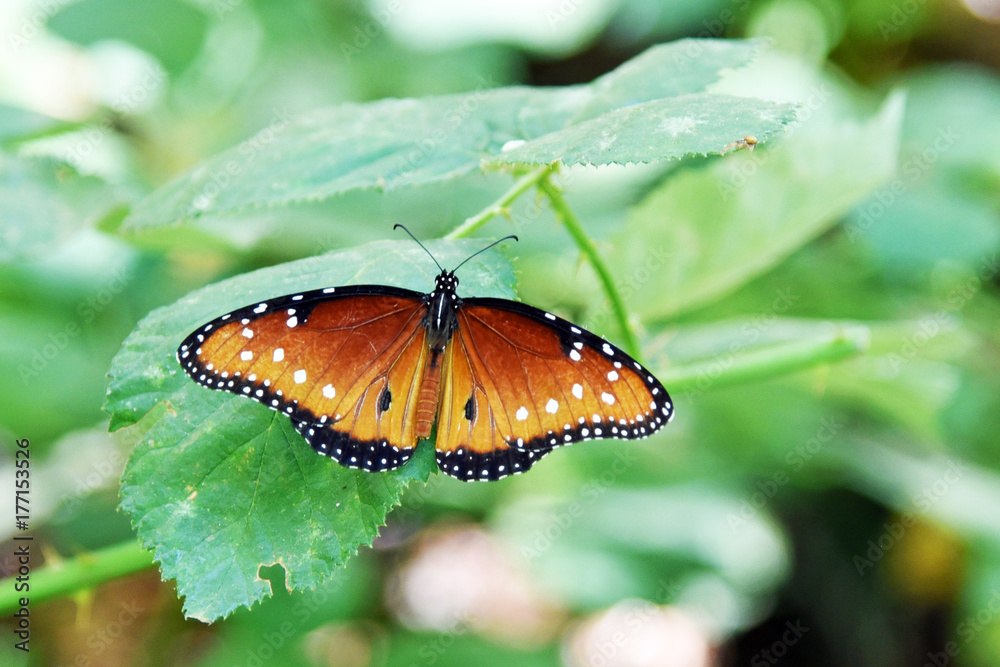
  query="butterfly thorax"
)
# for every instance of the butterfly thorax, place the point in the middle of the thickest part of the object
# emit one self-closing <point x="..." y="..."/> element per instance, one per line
<point x="441" y="319"/>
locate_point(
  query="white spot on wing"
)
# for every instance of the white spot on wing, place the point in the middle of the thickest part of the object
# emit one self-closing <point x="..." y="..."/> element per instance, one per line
<point x="329" y="391"/>
<point x="613" y="375"/>
<point x="299" y="376"/>
<point x="247" y="332"/>
<point x="578" y="390"/>
<point x="279" y="354"/>
<point x="608" y="398"/>
<point x="574" y="355"/>
<point x="521" y="414"/>
<point x="260" y="308"/>
<point x="246" y="355"/>
<point x="292" y="321"/>
<point x="552" y="406"/>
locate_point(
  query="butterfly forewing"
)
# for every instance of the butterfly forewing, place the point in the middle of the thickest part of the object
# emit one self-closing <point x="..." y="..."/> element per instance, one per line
<point x="325" y="358"/>
<point x="531" y="382"/>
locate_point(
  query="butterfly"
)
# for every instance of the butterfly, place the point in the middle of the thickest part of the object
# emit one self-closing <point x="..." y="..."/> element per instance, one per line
<point x="365" y="371"/>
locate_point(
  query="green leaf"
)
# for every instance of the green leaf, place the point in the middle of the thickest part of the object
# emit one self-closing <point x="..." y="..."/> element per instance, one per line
<point x="395" y="143"/>
<point x="43" y="201"/>
<point x="659" y="130"/>
<point x="218" y="485"/>
<point x="721" y="226"/>
<point x="669" y="70"/>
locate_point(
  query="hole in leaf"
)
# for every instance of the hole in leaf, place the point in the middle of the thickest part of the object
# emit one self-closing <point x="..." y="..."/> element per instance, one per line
<point x="275" y="575"/>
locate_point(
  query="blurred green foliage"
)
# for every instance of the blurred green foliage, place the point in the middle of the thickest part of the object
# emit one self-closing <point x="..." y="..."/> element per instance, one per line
<point x="860" y="498"/>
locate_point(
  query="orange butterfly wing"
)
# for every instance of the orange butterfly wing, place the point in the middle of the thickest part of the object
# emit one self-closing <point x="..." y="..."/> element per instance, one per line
<point x="326" y="359"/>
<point x="520" y="382"/>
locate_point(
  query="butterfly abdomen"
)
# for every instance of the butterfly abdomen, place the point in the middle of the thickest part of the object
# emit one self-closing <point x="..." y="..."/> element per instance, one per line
<point x="427" y="399"/>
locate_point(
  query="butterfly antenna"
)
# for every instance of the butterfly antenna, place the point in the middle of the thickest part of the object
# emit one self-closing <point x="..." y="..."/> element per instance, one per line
<point x="484" y="250"/>
<point x="399" y="226"/>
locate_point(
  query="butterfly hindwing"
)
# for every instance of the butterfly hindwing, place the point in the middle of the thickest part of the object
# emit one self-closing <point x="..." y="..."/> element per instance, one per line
<point x="325" y="358"/>
<point x="470" y="445"/>
<point x="523" y="382"/>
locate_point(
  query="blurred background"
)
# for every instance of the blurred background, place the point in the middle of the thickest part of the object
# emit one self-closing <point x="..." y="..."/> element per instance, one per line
<point x="845" y="514"/>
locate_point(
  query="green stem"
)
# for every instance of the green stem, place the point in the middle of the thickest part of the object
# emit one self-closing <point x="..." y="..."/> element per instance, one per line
<point x="587" y="247"/>
<point x="765" y="363"/>
<point x="57" y="580"/>
<point x="498" y="207"/>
